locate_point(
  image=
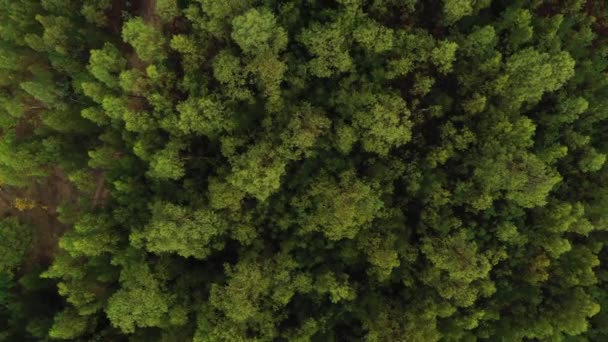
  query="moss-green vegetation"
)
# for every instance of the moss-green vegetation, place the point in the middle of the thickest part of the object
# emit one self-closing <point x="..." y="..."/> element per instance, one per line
<point x="309" y="170"/>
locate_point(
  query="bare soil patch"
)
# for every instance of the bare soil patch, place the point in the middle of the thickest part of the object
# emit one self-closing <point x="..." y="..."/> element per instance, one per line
<point x="147" y="10"/>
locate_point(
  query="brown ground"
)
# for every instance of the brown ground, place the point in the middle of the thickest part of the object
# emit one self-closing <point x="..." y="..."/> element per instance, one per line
<point x="102" y="193"/>
<point x="30" y="119"/>
<point x="48" y="194"/>
<point x="56" y="189"/>
<point x="147" y="10"/>
<point x="142" y="8"/>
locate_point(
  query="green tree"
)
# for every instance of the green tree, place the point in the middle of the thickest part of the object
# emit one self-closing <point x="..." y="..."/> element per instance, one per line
<point x="106" y="64"/>
<point x="290" y="170"/>
<point x="16" y="239"/>
<point x="149" y="44"/>
<point x="185" y="231"/>
<point x="167" y="9"/>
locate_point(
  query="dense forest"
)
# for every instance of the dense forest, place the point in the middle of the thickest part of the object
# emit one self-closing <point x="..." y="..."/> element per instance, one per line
<point x="303" y="170"/>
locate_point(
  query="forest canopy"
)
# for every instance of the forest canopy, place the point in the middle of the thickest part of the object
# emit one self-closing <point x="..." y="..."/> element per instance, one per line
<point x="304" y="170"/>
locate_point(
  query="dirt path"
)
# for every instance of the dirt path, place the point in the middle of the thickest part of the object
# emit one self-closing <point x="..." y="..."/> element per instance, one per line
<point x="142" y="8"/>
<point x="147" y="10"/>
<point x="101" y="190"/>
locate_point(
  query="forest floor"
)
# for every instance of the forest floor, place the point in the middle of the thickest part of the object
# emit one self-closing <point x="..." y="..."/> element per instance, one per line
<point x="102" y="192"/>
<point x="45" y="196"/>
<point x="39" y="200"/>
<point x="147" y="10"/>
<point x="143" y="8"/>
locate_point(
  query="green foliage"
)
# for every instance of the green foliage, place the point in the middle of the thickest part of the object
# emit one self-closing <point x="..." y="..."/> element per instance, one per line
<point x="187" y="232"/>
<point x="530" y="74"/>
<point x="15" y="240"/>
<point x="257" y="31"/>
<point x="106" y="63"/>
<point x="305" y="170"/>
<point x="204" y="116"/>
<point x="167" y="162"/>
<point x="140" y="303"/>
<point x="46" y="92"/>
<point x="457" y="268"/>
<point x="92" y="235"/>
<point x="382" y="121"/>
<point x="167" y="9"/>
<point x="328" y="46"/>
<point x="19" y="161"/>
<point x="258" y="171"/>
<point x="94" y="11"/>
<point x="339" y="209"/>
<point x="147" y="41"/>
<point x="68" y="325"/>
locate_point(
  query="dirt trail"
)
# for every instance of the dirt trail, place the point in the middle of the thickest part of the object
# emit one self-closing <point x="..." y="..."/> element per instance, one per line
<point x="102" y="193"/>
<point x="147" y="10"/>
<point x="142" y="8"/>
